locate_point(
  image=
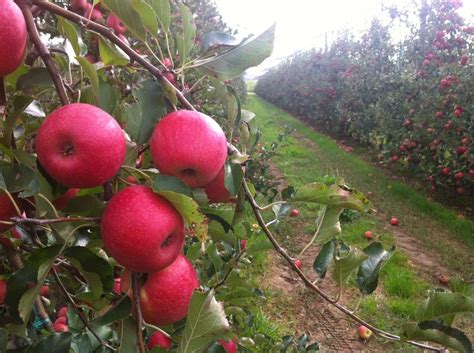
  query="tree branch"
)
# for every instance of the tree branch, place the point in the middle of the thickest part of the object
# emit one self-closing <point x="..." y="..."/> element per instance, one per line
<point x="109" y="34"/>
<point x="312" y="286"/>
<point x="43" y="51"/>
<point x="19" y="220"/>
<point x="138" y="309"/>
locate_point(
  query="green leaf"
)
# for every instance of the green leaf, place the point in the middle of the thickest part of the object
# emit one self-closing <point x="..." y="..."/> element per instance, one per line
<point x="330" y="226"/>
<point x="86" y="206"/>
<point x="19" y="178"/>
<point x="163" y="11"/>
<point x="91" y="73"/>
<point x="214" y="256"/>
<point x="233" y="177"/>
<point x="346" y="262"/>
<point x="332" y="195"/>
<point x="459" y="285"/>
<point x="324" y="258"/>
<point x="131" y="19"/>
<point x="205" y="322"/>
<point x="3" y="340"/>
<point x="433" y="331"/>
<point x="35" y="78"/>
<point x="110" y="55"/>
<point x="257" y="244"/>
<point x="233" y="107"/>
<point x="163" y="182"/>
<point x="147" y="14"/>
<point x="54" y="343"/>
<point x="231" y="63"/>
<point x="442" y="304"/>
<point x="143" y="116"/>
<point x="128" y="337"/>
<point x="185" y="39"/>
<point x="72" y="32"/>
<point x="120" y="312"/>
<point x="216" y="40"/>
<point x="368" y="275"/>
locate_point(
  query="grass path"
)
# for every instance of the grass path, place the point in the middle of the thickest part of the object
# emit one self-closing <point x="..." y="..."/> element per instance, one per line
<point x="431" y="239"/>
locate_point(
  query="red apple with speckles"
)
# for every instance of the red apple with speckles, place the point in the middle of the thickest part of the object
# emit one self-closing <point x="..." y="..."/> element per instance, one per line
<point x="394" y="221"/>
<point x="63" y="311"/>
<point x="159" y="339"/>
<point x="80" y="146"/>
<point x="368" y="235"/>
<point x="364" y="332"/>
<point x="167" y="63"/>
<point x="59" y="327"/>
<point x="141" y="230"/>
<point x="216" y="191"/>
<point x="445" y="171"/>
<point x="189" y="145"/>
<point x="459" y="176"/>
<point x="229" y="346"/>
<point x="61" y="320"/>
<point x="114" y="23"/>
<point x="7" y="210"/>
<point x="13" y="36"/>
<point x="3" y="291"/>
<point x="294" y="213"/>
<point x="165" y="295"/>
<point x="298" y="263"/>
<point x="93" y="13"/>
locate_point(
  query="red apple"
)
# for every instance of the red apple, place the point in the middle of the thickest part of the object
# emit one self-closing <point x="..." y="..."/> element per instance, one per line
<point x="229" y="346"/>
<point x="7" y="210"/>
<point x="167" y="63"/>
<point x="63" y="311"/>
<point x="189" y="145"/>
<point x="394" y="221"/>
<point x="460" y="190"/>
<point x="62" y="200"/>
<point x="13" y="36"/>
<point x="114" y="23"/>
<point x="294" y="212"/>
<point x="368" y="235"/>
<point x="141" y="230"/>
<point x="159" y="339"/>
<point x="93" y="13"/>
<point x="364" y="332"/>
<point x="443" y="279"/>
<point x="298" y="263"/>
<point x="61" y="320"/>
<point x="45" y="291"/>
<point x="59" y="327"/>
<point x="79" y="5"/>
<point x="394" y="158"/>
<point x="243" y="244"/>
<point x="445" y="171"/>
<point x="216" y="191"/>
<point x="165" y="296"/>
<point x="3" y="290"/>
<point x="459" y="176"/>
<point x="80" y="146"/>
<point x="170" y="77"/>
<point x="116" y="288"/>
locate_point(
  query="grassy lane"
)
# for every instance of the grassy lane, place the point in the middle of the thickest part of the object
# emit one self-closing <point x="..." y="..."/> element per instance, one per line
<point x="309" y="156"/>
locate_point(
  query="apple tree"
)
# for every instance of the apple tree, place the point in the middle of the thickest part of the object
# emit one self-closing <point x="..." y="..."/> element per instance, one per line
<point x="128" y="216"/>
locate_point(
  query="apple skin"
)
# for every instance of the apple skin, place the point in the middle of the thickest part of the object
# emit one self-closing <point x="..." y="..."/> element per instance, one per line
<point x="298" y="263"/>
<point x="294" y="213"/>
<point x="116" y="289"/>
<point x="93" y="13"/>
<point x="141" y="230"/>
<point x="13" y="36"/>
<point x="61" y="320"/>
<point x="229" y="346"/>
<point x="159" y="339"/>
<point x="63" y="311"/>
<point x="45" y="291"/>
<point x="7" y="210"/>
<point x="80" y="146"/>
<point x="190" y="146"/>
<point x="216" y="191"/>
<point x="78" y="5"/>
<point x="394" y="221"/>
<point x="60" y="327"/>
<point x="114" y="23"/>
<point x="165" y="295"/>
<point x="364" y="332"/>
<point x="61" y="201"/>
<point x="368" y="235"/>
<point x="3" y="291"/>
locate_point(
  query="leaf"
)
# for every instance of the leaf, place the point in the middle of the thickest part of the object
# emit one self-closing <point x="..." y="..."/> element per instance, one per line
<point x="233" y="177"/>
<point x="131" y="19"/>
<point x="330" y="226"/>
<point x="3" y="340"/>
<point x="442" y="304"/>
<point x="19" y="178"/>
<point x="86" y="206"/>
<point x="128" y="337"/>
<point x="147" y="14"/>
<point x="163" y="11"/>
<point x="72" y="32"/>
<point x="205" y="322"/>
<point x="54" y="343"/>
<point x="214" y="256"/>
<point x="214" y="40"/>
<point x="324" y="258"/>
<point x="143" y="116"/>
<point x="35" y="78"/>
<point x="368" y="275"/>
<point x="257" y="244"/>
<point x="332" y="195"/>
<point x="185" y="40"/>
<point x="91" y="73"/>
<point x="110" y="55"/>
<point x="231" y="63"/>
<point x="35" y="110"/>
<point x="163" y="182"/>
<point x="188" y="209"/>
<point x="347" y="262"/>
<point x="433" y="331"/>
<point x="120" y="312"/>
<point x="233" y="107"/>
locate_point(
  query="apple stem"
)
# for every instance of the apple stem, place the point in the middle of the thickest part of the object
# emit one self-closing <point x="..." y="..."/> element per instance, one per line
<point x="43" y="51"/>
<point x="312" y="286"/>
<point x="136" y="298"/>
<point x="80" y="312"/>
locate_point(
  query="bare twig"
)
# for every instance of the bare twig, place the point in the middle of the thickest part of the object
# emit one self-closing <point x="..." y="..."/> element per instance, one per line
<point x="25" y="7"/>
<point x="138" y="309"/>
<point x="109" y="34"/>
<point x="313" y="287"/>
<point x="80" y="312"/>
<point x="222" y="281"/>
<point x="19" y="220"/>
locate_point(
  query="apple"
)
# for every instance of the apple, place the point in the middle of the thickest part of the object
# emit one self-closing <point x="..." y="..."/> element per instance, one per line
<point x="7" y="210"/>
<point x="141" y="230"/>
<point x="59" y="327"/>
<point x="459" y="176"/>
<point x="394" y="221"/>
<point x="62" y="200"/>
<point x="116" y="288"/>
<point x="462" y="150"/>
<point x="445" y="171"/>
<point x="443" y="279"/>
<point x="229" y="346"/>
<point x="216" y="191"/>
<point x="243" y="244"/>
<point x="294" y="212"/>
<point x="13" y="36"/>
<point x="79" y="5"/>
<point x="116" y="24"/>
<point x="298" y="263"/>
<point x="439" y="115"/>
<point x="394" y="158"/>
<point x="123" y="39"/>
<point x="167" y="63"/>
<point x="80" y="146"/>
<point x="45" y="291"/>
<point x="460" y="190"/>
<point x="61" y="320"/>
<point x="63" y="311"/>
<point x="464" y="60"/>
<point x="368" y="235"/>
<point x="92" y="13"/>
<point x="159" y="339"/>
<point x="165" y="295"/>
<point x="364" y="332"/>
<point x="170" y="77"/>
<point x="190" y="146"/>
<point x="3" y="290"/>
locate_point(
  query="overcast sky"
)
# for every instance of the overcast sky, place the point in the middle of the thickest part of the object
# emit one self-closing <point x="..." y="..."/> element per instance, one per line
<point x="302" y="24"/>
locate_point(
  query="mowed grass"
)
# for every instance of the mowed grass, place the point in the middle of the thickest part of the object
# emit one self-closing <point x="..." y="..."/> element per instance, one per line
<point x="438" y="228"/>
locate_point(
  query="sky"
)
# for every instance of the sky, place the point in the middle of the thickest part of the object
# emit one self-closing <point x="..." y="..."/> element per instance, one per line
<point x="303" y="24"/>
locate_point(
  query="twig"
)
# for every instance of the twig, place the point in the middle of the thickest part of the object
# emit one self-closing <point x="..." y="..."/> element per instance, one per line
<point x="106" y="32"/>
<point x="19" y="220"/>
<point x="316" y="289"/>
<point x="3" y="94"/>
<point x="222" y="281"/>
<point x="80" y="312"/>
<point x="136" y="298"/>
<point x="43" y="51"/>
